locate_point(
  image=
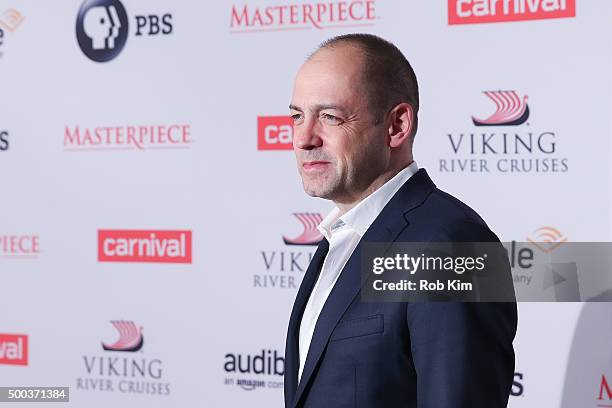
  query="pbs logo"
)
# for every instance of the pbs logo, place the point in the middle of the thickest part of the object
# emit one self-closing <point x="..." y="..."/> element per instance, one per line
<point x="102" y="29"/>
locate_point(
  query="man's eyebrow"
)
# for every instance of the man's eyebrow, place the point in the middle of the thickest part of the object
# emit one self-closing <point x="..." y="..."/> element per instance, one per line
<point x="319" y="107"/>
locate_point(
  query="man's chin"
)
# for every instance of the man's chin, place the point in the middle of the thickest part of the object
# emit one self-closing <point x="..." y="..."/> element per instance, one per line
<point x="317" y="191"/>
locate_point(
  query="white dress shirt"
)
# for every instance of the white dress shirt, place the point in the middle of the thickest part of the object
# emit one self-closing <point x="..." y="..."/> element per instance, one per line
<point x="344" y="233"/>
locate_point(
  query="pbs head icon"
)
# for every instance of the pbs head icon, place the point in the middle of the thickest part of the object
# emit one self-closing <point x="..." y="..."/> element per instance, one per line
<point x="102" y="29"/>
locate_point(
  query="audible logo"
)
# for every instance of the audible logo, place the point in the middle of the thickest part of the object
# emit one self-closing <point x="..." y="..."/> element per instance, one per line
<point x="144" y="246"/>
<point x="10" y="19"/>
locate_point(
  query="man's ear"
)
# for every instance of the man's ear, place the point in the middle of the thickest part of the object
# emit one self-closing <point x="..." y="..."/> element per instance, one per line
<point x="401" y="124"/>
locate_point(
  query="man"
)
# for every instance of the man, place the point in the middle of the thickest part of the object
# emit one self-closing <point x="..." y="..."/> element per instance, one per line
<point x="354" y="107"/>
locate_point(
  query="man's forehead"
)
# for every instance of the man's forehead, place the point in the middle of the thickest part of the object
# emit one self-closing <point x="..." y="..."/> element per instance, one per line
<point x="345" y="58"/>
<point x="341" y="50"/>
<point x="329" y="77"/>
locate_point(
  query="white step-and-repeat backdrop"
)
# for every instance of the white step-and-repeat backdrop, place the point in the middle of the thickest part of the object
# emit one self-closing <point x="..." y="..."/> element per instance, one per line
<point x="154" y="231"/>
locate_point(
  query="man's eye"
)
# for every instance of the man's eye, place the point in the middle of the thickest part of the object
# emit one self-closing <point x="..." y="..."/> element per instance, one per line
<point x="331" y="119"/>
<point x="296" y="117"/>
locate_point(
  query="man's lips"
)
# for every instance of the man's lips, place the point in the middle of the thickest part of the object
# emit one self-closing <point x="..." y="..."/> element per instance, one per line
<point x="314" y="165"/>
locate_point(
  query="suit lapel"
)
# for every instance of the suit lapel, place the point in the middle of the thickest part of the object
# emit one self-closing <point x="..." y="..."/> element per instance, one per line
<point x="386" y="228"/>
<point x="292" y="346"/>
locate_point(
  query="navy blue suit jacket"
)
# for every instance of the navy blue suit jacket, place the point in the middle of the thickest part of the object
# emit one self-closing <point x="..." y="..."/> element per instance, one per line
<point x="403" y="354"/>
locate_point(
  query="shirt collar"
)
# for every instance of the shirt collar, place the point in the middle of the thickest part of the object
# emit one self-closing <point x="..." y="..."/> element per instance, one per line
<point x="360" y="217"/>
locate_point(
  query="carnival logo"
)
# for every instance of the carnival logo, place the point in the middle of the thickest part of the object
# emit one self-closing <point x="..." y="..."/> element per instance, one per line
<point x="141" y="137"/>
<point x="144" y="246"/>
<point x="102" y="28"/>
<point x="310" y="235"/>
<point x="274" y="133"/>
<point x="499" y="11"/>
<point x="14" y="349"/>
<point x="130" y="337"/>
<point x="317" y="15"/>
<point x="547" y="238"/>
<point x="511" y="109"/>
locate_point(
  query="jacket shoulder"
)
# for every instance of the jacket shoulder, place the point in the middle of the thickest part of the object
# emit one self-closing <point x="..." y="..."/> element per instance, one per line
<point x="450" y="219"/>
<point x="454" y="208"/>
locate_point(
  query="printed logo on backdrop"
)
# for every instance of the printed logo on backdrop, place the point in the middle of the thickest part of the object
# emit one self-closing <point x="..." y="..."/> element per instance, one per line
<point x="4" y="140"/>
<point x="604" y="396"/>
<point x="103" y="26"/>
<point x="102" y="29"/>
<point x="274" y="133"/>
<point x="546" y="266"/>
<point x="157" y="246"/>
<point x="254" y="371"/>
<point x="14" y="349"/>
<point x="524" y="256"/>
<point x="547" y="238"/>
<point x="284" y="266"/>
<point x="518" y="388"/>
<point x="510" y="109"/>
<point x="122" y="366"/>
<point x="499" y="11"/>
<point x="245" y="18"/>
<point x="504" y="141"/>
<point x="130" y="337"/>
<point x="19" y="246"/>
<point x="10" y="20"/>
<point x="127" y="137"/>
<point x="310" y="235"/>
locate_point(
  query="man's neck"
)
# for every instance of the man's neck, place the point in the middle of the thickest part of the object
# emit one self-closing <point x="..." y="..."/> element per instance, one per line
<point x="346" y="205"/>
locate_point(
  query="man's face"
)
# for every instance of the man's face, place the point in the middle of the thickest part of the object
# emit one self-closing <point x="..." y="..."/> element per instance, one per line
<point x="339" y="149"/>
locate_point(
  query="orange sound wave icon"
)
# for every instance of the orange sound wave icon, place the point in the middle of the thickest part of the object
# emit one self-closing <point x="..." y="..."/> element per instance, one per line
<point x="11" y="19"/>
<point x="547" y="238"/>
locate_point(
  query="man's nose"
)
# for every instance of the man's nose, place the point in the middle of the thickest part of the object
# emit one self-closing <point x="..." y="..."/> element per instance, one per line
<point x="306" y="136"/>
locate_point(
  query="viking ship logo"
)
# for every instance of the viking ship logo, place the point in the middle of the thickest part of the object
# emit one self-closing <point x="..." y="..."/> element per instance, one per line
<point x="130" y="337"/>
<point x="311" y="235"/>
<point x="511" y="110"/>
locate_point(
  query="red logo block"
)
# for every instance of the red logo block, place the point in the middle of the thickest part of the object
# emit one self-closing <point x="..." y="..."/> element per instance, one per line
<point x="274" y="133"/>
<point x="499" y="11"/>
<point x="144" y="246"/>
<point x="14" y="349"/>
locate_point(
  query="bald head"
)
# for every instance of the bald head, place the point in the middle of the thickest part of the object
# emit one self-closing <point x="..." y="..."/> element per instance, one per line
<point x="386" y="75"/>
<point x="335" y="76"/>
<point x="349" y="136"/>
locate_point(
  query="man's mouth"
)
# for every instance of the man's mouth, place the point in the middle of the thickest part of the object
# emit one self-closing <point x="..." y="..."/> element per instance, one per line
<point x="315" y="165"/>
